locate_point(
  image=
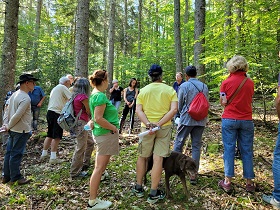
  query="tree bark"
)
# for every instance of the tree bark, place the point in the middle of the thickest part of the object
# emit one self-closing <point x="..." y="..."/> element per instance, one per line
<point x="37" y="34"/>
<point x="111" y="36"/>
<point x="177" y="36"/>
<point x="199" y="29"/>
<point x="9" y="47"/>
<point x="82" y="39"/>
<point x="185" y="41"/>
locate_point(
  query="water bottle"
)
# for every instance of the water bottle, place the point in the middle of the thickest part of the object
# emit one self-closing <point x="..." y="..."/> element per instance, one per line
<point x="223" y="97"/>
<point x="177" y="120"/>
<point x="148" y="131"/>
<point x="2" y="129"/>
<point x="87" y="127"/>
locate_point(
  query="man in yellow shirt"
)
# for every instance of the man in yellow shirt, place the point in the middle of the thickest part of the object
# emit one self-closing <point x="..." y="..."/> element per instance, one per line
<point x="156" y="105"/>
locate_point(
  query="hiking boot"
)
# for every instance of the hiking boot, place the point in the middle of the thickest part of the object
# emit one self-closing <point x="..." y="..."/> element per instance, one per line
<point x="270" y="199"/>
<point x="138" y="192"/>
<point x="251" y="188"/>
<point x="99" y="204"/>
<point x="22" y="181"/>
<point x="154" y="198"/>
<point x="5" y="180"/>
<point x="104" y="176"/>
<point x="226" y="187"/>
<point x="55" y="161"/>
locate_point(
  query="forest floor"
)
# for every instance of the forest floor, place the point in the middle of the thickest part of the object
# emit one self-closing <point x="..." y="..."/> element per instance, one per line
<point x="52" y="188"/>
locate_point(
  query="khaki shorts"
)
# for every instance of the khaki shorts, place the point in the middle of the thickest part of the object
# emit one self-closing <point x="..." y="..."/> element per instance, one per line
<point x="107" y="144"/>
<point x="158" y="143"/>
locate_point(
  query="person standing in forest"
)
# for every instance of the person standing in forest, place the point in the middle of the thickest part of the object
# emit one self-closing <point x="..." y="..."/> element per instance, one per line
<point x="274" y="199"/>
<point x="116" y="94"/>
<point x="129" y="95"/>
<point x="237" y="122"/>
<point x="60" y="94"/>
<point x="85" y="144"/>
<point x="188" y="125"/>
<point x="37" y="97"/>
<point x="105" y="132"/>
<point x="156" y="105"/>
<point x="178" y="82"/>
<point x="17" y="120"/>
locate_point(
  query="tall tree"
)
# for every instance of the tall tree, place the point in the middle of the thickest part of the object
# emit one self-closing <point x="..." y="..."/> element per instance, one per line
<point x="82" y="39"/>
<point x="227" y="26"/>
<point x="111" y="41"/>
<point x="186" y="41"/>
<point x="177" y="36"/>
<point x="9" y="47"/>
<point x="199" y="29"/>
<point x="37" y="33"/>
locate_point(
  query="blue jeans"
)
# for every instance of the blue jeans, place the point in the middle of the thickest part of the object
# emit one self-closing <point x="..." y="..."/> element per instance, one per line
<point x="243" y="130"/>
<point x="35" y="112"/>
<point x="196" y="134"/>
<point x="276" y="168"/>
<point x="15" y="148"/>
<point x="116" y="103"/>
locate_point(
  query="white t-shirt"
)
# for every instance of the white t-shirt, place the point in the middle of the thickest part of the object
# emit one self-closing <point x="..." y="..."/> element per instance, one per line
<point x="60" y="94"/>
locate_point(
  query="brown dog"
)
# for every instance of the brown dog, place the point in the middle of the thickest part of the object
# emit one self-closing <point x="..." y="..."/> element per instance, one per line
<point x="176" y="164"/>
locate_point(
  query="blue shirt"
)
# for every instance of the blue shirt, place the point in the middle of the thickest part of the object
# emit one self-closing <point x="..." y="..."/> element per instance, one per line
<point x="176" y="85"/>
<point x="36" y="95"/>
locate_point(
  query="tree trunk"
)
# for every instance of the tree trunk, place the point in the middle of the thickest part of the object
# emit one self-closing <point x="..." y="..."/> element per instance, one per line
<point x="186" y="41"/>
<point x="177" y="36"/>
<point x="37" y="33"/>
<point x="227" y="26"/>
<point x="111" y="36"/>
<point x="82" y="38"/>
<point x="9" y="47"/>
<point x="104" y="52"/>
<point x="199" y="29"/>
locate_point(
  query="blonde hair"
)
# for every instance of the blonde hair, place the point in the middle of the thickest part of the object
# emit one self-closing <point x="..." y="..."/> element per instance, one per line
<point x="237" y="63"/>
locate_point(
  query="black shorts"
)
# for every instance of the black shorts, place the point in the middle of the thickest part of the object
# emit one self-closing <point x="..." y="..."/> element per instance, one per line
<point x="54" y="130"/>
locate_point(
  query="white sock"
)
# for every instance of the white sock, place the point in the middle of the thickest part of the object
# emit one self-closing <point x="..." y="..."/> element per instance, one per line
<point x="44" y="152"/>
<point x="53" y="155"/>
<point x="91" y="202"/>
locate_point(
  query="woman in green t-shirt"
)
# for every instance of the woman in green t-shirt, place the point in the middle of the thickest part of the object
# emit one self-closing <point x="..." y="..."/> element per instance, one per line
<point x="105" y="131"/>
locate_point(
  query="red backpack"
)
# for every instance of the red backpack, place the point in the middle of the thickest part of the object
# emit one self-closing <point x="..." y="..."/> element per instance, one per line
<point x="199" y="106"/>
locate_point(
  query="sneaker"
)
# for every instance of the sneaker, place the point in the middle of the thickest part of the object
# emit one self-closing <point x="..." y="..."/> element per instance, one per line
<point x="193" y="179"/>
<point x="81" y="175"/>
<point x="55" y="161"/>
<point x="99" y="204"/>
<point x="154" y="198"/>
<point x="138" y="193"/>
<point x="226" y="187"/>
<point x="44" y="157"/>
<point x="270" y="199"/>
<point x="250" y="188"/>
<point x="104" y="176"/>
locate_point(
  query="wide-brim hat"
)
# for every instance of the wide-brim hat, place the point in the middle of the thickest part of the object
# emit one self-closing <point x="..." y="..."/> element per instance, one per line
<point x="26" y="77"/>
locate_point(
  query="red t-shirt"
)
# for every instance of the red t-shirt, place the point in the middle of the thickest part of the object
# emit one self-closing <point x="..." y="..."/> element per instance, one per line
<point x="240" y="107"/>
<point x="78" y="105"/>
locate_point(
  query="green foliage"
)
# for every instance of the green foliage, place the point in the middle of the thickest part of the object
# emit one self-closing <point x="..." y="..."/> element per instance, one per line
<point x="256" y="40"/>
